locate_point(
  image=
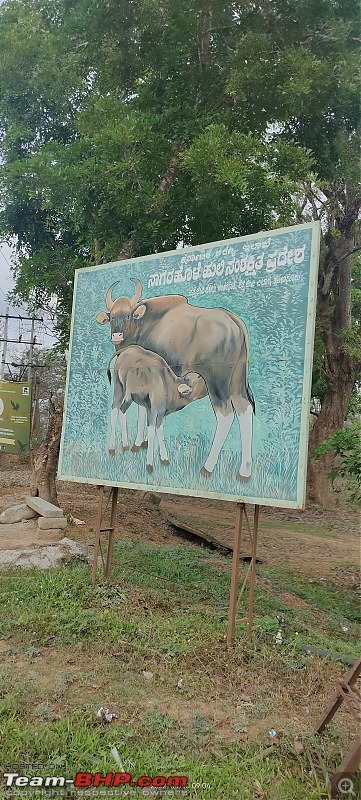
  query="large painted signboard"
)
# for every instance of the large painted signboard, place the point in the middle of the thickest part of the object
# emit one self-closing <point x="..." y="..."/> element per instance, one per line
<point x="189" y="372"/>
<point x="15" y="406"/>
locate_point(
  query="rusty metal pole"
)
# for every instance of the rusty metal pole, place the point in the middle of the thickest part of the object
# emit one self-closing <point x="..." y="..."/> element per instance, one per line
<point x="336" y="700"/>
<point x="253" y="571"/>
<point x="235" y="573"/>
<point x="111" y="530"/>
<point x="97" y="534"/>
<point x="349" y="765"/>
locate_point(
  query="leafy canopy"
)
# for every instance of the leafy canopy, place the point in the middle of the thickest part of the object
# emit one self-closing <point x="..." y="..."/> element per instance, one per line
<point x="127" y="128"/>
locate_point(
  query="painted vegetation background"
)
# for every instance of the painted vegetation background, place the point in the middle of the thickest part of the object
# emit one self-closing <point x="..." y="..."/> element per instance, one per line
<point x="270" y="295"/>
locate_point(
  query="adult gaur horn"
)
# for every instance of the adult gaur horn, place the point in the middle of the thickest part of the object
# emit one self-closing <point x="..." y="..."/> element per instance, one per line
<point x="108" y="299"/>
<point x="138" y="291"/>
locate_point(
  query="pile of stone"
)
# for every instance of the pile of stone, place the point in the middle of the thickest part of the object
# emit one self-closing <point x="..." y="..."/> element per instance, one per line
<point x="44" y="556"/>
<point x="51" y="520"/>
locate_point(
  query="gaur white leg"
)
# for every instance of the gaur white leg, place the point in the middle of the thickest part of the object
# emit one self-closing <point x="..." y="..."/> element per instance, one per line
<point x="145" y="430"/>
<point x="150" y="449"/>
<point x="113" y="422"/>
<point x="224" y="423"/>
<point x="142" y="419"/>
<point x="123" y="422"/>
<point x="162" y="448"/>
<point x="245" y="421"/>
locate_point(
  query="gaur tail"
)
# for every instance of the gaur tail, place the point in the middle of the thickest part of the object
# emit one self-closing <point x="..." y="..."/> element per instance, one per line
<point x="115" y="354"/>
<point x="250" y="397"/>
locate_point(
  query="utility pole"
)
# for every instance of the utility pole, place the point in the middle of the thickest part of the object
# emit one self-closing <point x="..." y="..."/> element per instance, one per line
<point x="3" y="357"/>
<point x="6" y="341"/>
<point x="31" y="350"/>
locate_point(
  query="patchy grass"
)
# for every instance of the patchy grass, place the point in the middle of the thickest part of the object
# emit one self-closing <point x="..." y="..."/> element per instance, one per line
<point x="315" y="612"/>
<point x="206" y="710"/>
<point x="158" y="594"/>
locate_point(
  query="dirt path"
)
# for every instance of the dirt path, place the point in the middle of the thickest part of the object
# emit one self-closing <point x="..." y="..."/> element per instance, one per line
<point x="315" y="550"/>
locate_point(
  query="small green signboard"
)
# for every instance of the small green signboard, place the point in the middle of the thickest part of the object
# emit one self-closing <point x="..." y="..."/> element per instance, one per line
<point x="15" y="407"/>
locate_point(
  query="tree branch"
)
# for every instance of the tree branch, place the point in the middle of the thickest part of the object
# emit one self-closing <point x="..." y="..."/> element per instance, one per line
<point x="125" y="252"/>
<point x="169" y="178"/>
<point x="355" y="250"/>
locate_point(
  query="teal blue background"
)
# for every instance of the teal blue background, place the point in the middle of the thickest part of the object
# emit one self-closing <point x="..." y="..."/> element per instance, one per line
<point x="275" y="317"/>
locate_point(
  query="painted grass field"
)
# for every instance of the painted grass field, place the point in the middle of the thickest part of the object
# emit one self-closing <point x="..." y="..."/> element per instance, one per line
<point x="186" y="457"/>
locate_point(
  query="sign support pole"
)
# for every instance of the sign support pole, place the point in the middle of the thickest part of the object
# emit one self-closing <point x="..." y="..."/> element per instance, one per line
<point x="253" y="572"/>
<point x="31" y="351"/>
<point x="235" y="573"/>
<point x="113" y="496"/>
<point x="97" y="534"/>
<point x="241" y="513"/>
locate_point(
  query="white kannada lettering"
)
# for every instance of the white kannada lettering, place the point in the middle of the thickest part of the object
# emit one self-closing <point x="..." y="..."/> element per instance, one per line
<point x="248" y="264"/>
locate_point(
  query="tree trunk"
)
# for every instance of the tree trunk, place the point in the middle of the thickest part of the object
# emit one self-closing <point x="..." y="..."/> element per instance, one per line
<point x="45" y="461"/>
<point x="340" y="367"/>
<point x="331" y="418"/>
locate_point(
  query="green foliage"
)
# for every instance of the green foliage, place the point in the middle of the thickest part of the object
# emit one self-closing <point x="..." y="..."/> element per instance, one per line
<point x="129" y="128"/>
<point x="306" y="53"/>
<point x="319" y="385"/>
<point x="355" y="399"/>
<point x="351" y="342"/>
<point x="137" y="126"/>
<point x="347" y="446"/>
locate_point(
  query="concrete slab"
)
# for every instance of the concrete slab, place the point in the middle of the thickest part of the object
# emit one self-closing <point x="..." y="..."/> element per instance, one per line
<point x="47" y="523"/>
<point x="43" y="508"/>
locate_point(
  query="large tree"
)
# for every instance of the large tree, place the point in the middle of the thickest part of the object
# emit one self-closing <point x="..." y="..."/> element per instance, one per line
<point x="306" y="51"/>
<point x="129" y="127"/>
